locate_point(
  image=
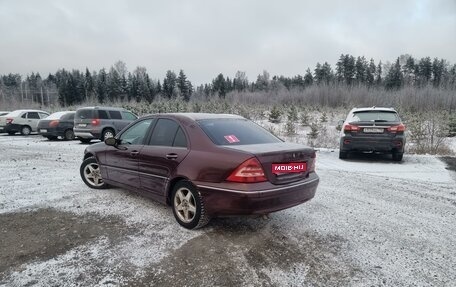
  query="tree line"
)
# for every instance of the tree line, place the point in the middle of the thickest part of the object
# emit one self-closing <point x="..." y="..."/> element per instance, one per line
<point x="118" y="84"/>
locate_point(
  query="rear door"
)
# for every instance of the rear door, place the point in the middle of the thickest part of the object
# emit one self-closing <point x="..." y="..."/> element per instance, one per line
<point x="165" y="150"/>
<point x="122" y="161"/>
<point x="32" y="120"/>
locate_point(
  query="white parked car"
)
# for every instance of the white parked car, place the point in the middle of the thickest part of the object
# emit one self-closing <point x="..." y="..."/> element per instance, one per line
<point x="23" y="121"/>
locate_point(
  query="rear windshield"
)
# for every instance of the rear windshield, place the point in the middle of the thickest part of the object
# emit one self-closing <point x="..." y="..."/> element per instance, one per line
<point x="375" y="116"/>
<point x="15" y="113"/>
<point x="236" y="132"/>
<point x="85" y="114"/>
<point x="56" y="116"/>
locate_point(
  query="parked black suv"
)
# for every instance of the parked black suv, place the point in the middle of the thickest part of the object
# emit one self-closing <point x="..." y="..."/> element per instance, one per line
<point x="100" y="122"/>
<point x="374" y="129"/>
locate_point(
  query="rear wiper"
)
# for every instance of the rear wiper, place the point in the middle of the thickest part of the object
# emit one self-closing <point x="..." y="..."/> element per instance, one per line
<point x="380" y="121"/>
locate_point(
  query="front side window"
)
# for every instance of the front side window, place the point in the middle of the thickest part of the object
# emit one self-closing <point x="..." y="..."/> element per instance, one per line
<point x="135" y="134"/>
<point x="236" y="132"/>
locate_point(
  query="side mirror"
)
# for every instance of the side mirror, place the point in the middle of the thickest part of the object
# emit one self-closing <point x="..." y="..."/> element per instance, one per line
<point x="111" y="141"/>
<point x="340" y="123"/>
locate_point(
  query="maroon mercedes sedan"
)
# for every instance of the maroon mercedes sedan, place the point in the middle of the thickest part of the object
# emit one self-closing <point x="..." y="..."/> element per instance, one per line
<point x="204" y="165"/>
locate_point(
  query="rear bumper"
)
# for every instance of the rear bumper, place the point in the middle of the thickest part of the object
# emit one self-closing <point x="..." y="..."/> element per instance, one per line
<point x="50" y="132"/>
<point x="250" y="199"/>
<point x="86" y="134"/>
<point x="372" y="144"/>
<point x="10" y="128"/>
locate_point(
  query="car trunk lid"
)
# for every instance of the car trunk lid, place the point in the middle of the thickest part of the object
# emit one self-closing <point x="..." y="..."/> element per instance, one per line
<point x="282" y="154"/>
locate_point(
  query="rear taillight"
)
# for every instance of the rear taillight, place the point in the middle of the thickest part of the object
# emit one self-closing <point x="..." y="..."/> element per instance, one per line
<point x="397" y="129"/>
<point x="311" y="163"/>
<point x="54" y="123"/>
<point x="351" y="128"/>
<point x="95" y="122"/>
<point x="248" y="172"/>
<point x="9" y="120"/>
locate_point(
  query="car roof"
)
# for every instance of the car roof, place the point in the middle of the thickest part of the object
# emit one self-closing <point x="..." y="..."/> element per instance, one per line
<point x="200" y="116"/>
<point x="374" y="108"/>
<point x="20" y="111"/>
<point x="102" y="108"/>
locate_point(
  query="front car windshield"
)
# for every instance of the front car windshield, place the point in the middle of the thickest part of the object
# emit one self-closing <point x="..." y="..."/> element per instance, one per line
<point x="236" y="132"/>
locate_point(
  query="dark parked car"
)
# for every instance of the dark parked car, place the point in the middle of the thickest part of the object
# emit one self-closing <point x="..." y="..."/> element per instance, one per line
<point x="59" y="124"/>
<point x="204" y="165"/>
<point x="100" y="122"/>
<point x="378" y="130"/>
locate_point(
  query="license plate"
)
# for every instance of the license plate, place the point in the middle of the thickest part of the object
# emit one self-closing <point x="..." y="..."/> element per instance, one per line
<point x="373" y="130"/>
<point x="43" y="130"/>
<point x="82" y="125"/>
<point x="279" y="168"/>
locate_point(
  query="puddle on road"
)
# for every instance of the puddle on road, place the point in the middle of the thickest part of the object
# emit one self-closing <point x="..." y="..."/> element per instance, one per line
<point x="47" y="233"/>
<point x="239" y="253"/>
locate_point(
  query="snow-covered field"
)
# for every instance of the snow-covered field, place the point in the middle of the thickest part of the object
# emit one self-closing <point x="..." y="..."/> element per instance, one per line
<point x="373" y="222"/>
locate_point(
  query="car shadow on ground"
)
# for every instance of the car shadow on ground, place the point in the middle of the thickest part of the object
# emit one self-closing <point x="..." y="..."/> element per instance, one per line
<point x="450" y="162"/>
<point x="371" y="157"/>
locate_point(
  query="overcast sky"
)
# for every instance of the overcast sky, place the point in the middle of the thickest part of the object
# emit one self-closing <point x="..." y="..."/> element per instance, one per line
<point x="205" y="38"/>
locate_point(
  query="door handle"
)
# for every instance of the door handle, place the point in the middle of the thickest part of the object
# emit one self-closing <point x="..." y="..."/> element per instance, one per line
<point x="134" y="153"/>
<point x="171" y="156"/>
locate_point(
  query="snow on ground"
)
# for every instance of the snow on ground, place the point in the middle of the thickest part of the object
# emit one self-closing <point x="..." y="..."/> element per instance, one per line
<point x="373" y="222"/>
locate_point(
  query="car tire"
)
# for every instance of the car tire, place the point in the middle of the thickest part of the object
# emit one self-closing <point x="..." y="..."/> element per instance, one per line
<point x="51" y="138"/>
<point x="107" y="133"/>
<point x="26" y="130"/>
<point x="91" y="175"/>
<point x="188" y="206"/>
<point x="86" y="141"/>
<point x="68" y="135"/>
<point x="343" y="154"/>
<point x="397" y="156"/>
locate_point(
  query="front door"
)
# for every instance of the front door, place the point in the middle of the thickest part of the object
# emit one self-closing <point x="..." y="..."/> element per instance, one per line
<point x="166" y="149"/>
<point x="122" y="161"/>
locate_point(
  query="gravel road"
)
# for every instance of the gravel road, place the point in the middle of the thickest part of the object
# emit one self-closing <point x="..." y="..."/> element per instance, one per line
<point x="373" y="222"/>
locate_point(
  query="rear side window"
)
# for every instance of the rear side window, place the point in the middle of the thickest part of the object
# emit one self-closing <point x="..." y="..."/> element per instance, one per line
<point x="84" y="114"/>
<point x="180" y="140"/>
<point x="374" y="116"/>
<point x="115" y="115"/>
<point x="164" y="133"/>
<point x="236" y="132"/>
<point x="33" y="115"/>
<point x="43" y="115"/>
<point x="56" y="116"/>
<point x="102" y="115"/>
<point x="128" y="116"/>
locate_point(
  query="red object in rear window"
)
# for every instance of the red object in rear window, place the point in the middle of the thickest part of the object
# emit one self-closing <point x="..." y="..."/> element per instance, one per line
<point x="249" y="171"/>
